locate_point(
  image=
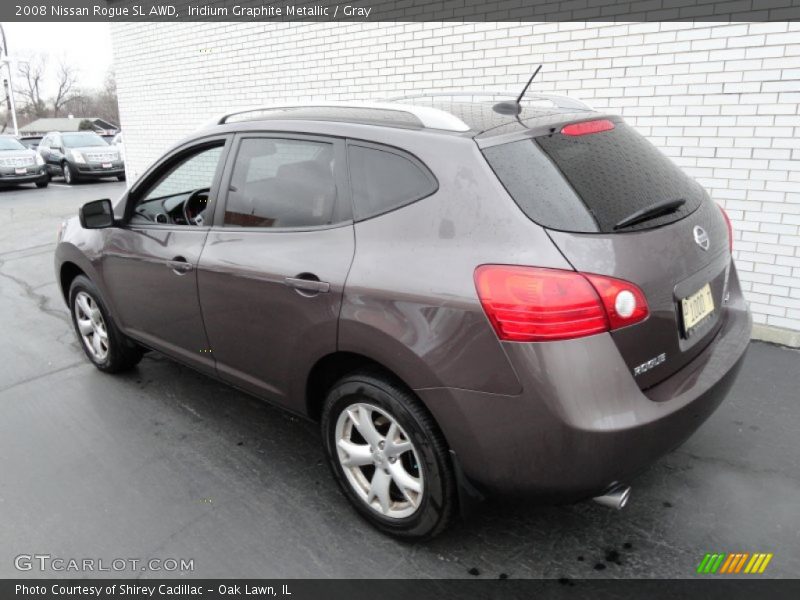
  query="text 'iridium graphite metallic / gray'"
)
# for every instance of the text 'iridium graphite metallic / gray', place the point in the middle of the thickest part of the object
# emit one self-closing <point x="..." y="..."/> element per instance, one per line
<point x="470" y="303"/>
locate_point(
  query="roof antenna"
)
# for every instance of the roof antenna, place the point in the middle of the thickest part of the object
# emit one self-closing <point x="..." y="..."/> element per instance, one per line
<point x="514" y="108"/>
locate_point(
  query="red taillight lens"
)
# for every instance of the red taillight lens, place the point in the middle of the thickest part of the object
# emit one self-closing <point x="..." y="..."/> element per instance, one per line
<point x="625" y="303"/>
<point x="587" y="127"/>
<point x="730" y="227"/>
<point x="529" y="304"/>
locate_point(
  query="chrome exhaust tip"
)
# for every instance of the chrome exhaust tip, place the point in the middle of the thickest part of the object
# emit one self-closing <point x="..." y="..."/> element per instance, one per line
<point x="617" y="497"/>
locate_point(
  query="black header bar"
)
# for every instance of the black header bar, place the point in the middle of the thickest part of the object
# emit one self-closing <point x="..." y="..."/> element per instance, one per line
<point x="402" y="10"/>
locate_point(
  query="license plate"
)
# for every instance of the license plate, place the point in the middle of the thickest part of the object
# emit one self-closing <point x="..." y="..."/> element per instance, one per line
<point x="20" y="170"/>
<point x="697" y="307"/>
<point x="106" y="165"/>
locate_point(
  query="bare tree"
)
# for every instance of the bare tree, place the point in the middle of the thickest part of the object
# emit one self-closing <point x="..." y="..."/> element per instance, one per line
<point x="46" y="94"/>
<point x="66" y="80"/>
<point x="31" y="73"/>
<point x="108" y="108"/>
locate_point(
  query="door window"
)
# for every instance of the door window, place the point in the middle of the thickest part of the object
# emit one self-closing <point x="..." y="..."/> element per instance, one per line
<point x="284" y="183"/>
<point x="179" y="194"/>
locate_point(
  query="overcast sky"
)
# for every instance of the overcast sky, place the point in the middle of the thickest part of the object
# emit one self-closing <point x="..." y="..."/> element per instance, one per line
<point x="87" y="47"/>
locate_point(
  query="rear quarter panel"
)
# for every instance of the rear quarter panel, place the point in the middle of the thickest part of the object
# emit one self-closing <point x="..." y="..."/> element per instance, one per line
<point x="410" y="301"/>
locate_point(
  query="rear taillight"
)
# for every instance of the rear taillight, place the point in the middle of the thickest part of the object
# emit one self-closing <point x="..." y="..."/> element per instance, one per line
<point x="530" y="304"/>
<point x="730" y="227"/>
<point x="587" y="127"/>
<point x="625" y="303"/>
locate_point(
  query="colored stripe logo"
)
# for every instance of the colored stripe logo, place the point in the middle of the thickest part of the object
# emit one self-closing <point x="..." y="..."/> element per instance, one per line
<point x="734" y="563"/>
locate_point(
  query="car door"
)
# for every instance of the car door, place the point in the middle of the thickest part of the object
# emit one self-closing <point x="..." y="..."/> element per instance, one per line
<point x="55" y="154"/>
<point x="45" y="152"/>
<point x="149" y="263"/>
<point x="273" y="268"/>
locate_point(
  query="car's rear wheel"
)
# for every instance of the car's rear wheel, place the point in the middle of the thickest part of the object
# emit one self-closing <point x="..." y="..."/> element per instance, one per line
<point x="107" y="348"/>
<point x="69" y="174"/>
<point x="388" y="456"/>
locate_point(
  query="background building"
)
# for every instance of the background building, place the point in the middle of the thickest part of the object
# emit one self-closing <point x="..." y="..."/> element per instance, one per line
<point x="720" y="99"/>
<point x="45" y="125"/>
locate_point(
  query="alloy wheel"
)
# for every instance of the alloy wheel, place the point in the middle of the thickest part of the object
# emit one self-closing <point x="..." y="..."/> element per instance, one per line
<point x="91" y="325"/>
<point x="379" y="460"/>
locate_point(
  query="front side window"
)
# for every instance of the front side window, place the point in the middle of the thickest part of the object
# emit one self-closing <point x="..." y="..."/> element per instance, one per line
<point x="179" y="195"/>
<point x="384" y="179"/>
<point x="283" y="183"/>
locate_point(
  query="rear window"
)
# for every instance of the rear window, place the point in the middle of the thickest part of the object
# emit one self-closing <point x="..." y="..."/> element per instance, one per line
<point x="589" y="183"/>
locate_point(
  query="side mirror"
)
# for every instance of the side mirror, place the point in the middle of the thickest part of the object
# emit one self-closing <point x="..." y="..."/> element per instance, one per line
<point x="98" y="214"/>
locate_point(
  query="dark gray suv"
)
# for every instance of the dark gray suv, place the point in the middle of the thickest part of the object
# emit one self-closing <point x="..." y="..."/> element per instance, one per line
<point x="470" y="302"/>
<point x="79" y="156"/>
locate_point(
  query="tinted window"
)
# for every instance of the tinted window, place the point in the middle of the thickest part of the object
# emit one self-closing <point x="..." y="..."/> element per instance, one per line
<point x="608" y="176"/>
<point x="283" y="183"/>
<point x="382" y="180"/>
<point x="538" y="187"/>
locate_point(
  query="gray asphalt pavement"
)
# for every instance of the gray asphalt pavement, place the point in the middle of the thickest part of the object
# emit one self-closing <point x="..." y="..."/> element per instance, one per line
<point x="165" y="463"/>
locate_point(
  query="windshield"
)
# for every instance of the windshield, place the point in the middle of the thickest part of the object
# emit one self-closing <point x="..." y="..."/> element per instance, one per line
<point x="7" y="143"/>
<point x="81" y="140"/>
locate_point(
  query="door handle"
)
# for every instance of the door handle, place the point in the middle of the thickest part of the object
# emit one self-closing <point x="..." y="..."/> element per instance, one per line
<point x="313" y="286"/>
<point x="179" y="265"/>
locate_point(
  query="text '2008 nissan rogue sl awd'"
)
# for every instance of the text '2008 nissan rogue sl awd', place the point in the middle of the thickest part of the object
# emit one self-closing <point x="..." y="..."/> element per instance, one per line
<point x="471" y="300"/>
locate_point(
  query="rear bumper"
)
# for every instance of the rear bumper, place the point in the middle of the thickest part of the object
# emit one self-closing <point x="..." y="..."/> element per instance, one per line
<point x="581" y="423"/>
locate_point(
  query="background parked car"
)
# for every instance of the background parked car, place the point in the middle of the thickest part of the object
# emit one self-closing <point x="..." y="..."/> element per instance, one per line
<point x="117" y="143"/>
<point x="19" y="164"/>
<point x="30" y="141"/>
<point x="81" y="155"/>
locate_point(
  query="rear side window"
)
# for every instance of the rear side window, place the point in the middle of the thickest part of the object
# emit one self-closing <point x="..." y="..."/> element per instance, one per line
<point x="283" y="183"/>
<point x="383" y="179"/>
<point x="589" y="183"/>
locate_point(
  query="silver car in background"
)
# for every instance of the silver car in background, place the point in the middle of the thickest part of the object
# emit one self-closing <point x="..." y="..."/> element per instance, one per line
<point x="19" y="164"/>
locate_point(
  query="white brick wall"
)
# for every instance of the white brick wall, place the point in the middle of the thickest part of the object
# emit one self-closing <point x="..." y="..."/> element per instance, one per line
<point x="720" y="99"/>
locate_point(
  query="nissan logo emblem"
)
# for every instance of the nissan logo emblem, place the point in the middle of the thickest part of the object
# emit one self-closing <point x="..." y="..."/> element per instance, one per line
<point x="701" y="237"/>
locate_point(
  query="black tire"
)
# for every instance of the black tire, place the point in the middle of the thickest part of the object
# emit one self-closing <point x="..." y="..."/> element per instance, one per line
<point x="70" y="178"/>
<point x="121" y="177"/>
<point x="122" y="353"/>
<point x="438" y="503"/>
<point x="42" y="184"/>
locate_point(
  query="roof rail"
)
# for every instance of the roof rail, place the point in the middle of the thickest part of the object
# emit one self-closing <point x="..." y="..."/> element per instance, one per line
<point x="559" y="101"/>
<point x="430" y="117"/>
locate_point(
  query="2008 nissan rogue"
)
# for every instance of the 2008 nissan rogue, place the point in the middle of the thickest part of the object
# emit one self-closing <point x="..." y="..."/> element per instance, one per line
<point x="471" y="300"/>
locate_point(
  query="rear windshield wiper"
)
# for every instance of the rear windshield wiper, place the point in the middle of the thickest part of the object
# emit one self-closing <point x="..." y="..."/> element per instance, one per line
<point x="650" y="212"/>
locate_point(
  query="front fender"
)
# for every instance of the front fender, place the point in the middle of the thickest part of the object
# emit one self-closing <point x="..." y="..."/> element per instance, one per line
<point x="82" y="248"/>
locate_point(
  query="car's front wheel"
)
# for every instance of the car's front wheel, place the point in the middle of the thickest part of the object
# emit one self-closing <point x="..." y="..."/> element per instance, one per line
<point x="388" y="456"/>
<point x="107" y="348"/>
<point x="69" y="174"/>
<point x="42" y="184"/>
